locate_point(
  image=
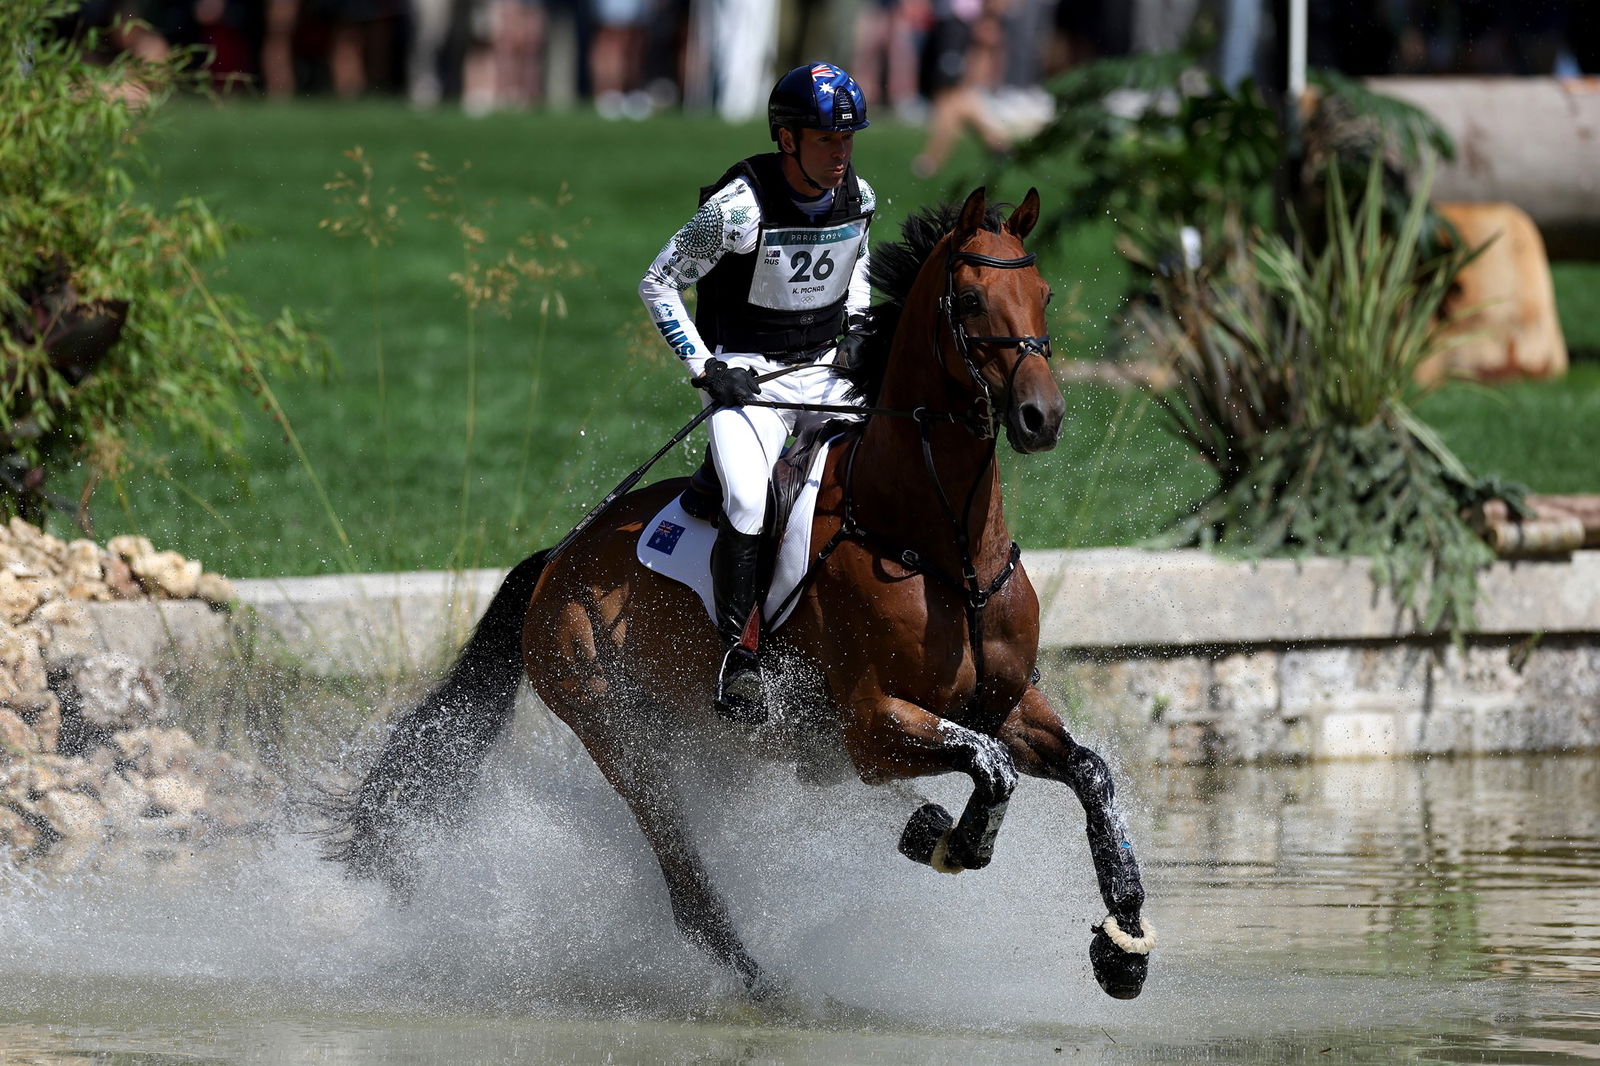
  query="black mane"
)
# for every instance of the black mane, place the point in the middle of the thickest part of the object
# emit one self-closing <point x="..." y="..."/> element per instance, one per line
<point x="893" y="270"/>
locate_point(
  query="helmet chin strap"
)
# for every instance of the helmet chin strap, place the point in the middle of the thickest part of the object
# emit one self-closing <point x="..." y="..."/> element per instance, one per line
<point x="795" y="155"/>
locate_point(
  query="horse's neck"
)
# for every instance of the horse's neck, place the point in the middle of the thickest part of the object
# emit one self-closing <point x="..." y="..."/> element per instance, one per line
<point x="895" y="492"/>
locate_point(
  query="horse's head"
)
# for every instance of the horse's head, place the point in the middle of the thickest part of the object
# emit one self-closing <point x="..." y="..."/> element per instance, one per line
<point x="995" y="335"/>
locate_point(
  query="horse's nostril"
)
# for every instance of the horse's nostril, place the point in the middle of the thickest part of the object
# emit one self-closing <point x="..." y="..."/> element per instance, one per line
<point x="1032" y="419"/>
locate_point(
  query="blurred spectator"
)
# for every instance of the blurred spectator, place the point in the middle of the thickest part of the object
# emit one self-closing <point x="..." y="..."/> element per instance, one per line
<point x="885" y="60"/>
<point x="732" y="48"/>
<point x="1089" y="31"/>
<point x="977" y="63"/>
<point x="430" y="29"/>
<point x="666" y="29"/>
<point x="961" y="55"/>
<point x="815" y="30"/>
<point x="619" y="59"/>
<point x="503" y="65"/>
<point x="1162" y="25"/>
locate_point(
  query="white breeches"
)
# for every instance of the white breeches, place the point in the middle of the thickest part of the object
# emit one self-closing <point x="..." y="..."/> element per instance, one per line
<point x="746" y="441"/>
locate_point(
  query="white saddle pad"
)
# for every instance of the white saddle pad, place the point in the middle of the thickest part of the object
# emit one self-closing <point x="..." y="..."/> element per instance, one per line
<point x="677" y="546"/>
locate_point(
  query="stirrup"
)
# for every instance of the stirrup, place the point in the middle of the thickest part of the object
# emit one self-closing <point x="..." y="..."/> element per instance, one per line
<point x="739" y="697"/>
<point x="697" y="504"/>
<point x="703" y="498"/>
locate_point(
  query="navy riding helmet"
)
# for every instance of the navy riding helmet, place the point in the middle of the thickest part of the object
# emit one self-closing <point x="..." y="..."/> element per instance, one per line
<point x="817" y="96"/>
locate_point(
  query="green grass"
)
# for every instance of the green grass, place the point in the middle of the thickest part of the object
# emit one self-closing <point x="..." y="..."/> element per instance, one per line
<point x="556" y="424"/>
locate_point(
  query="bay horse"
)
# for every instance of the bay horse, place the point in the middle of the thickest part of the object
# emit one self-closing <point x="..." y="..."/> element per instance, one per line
<point x="910" y="650"/>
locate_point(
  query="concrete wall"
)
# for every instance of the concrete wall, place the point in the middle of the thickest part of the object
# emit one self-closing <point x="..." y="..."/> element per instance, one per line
<point x="1184" y="656"/>
<point x="1190" y="658"/>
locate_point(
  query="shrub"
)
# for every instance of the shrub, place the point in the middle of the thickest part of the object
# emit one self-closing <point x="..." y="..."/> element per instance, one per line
<point x="1294" y="381"/>
<point x="108" y="326"/>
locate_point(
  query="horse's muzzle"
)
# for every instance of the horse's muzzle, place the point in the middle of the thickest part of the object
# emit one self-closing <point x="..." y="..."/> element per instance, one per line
<point x="1034" y="424"/>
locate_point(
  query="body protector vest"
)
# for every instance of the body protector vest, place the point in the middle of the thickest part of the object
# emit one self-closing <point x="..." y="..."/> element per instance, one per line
<point x="788" y="295"/>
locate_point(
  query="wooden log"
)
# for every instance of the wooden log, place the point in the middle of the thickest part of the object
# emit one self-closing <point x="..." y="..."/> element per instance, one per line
<point x="1559" y="524"/>
<point x="1533" y="142"/>
<point x="1535" y="537"/>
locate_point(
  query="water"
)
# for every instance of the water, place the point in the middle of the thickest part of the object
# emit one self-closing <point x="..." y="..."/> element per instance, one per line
<point x="1440" y="912"/>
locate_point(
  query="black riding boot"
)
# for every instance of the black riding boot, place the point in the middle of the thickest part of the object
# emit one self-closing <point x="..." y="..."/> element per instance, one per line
<point x="734" y="559"/>
<point x="703" y="498"/>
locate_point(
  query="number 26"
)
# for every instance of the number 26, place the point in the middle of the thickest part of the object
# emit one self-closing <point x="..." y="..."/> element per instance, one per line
<point x="819" y="270"/>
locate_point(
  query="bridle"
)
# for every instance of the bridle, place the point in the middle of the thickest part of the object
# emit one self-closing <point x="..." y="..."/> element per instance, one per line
<point x="984" y="413"/>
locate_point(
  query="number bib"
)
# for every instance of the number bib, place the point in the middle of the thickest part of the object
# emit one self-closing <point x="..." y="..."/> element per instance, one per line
<point x="805" y="268"/>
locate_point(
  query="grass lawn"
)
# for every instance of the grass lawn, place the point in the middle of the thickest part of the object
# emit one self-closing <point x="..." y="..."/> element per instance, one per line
<point x="448" y="438"/>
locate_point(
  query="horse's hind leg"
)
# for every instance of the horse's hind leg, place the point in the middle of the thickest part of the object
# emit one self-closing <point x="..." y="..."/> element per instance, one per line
<point x="1041" y="746"/>
<point x="701" y="915"/>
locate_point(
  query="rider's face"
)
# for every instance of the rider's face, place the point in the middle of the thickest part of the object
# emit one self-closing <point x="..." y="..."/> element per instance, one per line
<point x="825" y="154"/>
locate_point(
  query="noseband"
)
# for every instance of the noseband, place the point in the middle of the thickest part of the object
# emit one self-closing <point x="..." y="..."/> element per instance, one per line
<point x="984" y="418"/>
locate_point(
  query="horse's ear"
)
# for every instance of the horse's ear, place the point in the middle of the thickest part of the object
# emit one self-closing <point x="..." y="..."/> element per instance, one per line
<point x="971" y="219"/>
<point x="1023" y="219"/>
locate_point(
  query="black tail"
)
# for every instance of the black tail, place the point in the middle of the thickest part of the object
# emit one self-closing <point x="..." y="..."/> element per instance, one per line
<point x="429" y="762"/>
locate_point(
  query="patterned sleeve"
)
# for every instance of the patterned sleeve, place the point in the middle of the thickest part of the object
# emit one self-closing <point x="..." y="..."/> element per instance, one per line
<point x="728" y="222"/>
<point x="859" y="297"/>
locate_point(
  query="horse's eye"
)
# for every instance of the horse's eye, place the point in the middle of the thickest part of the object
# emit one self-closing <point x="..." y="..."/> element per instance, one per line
<point x="970" y="304"/>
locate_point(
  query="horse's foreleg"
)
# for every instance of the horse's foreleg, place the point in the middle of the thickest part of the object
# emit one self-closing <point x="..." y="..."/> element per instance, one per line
<point x="890" y="739"/>
<point x="1042" y="747"/>
<point x="699" y="912"/>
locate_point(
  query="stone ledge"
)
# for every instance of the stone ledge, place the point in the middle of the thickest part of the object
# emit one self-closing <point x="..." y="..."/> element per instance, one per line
<point x="1110" y="598"/>
<point x="1185" y="656"/>
<point x="360" y="624"/>
<point x="1128" y="598"/>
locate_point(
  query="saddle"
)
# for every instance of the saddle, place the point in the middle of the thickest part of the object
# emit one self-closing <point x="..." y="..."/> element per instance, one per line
<point x="677" y="542"/>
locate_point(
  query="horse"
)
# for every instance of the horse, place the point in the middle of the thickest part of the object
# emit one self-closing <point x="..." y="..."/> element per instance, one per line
<point x="910" y="650"/>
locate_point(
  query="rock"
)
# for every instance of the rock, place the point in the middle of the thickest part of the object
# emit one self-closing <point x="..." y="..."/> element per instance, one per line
<point x="22" y="668"/>
<point x="50" y="773"/>
<point x="123" y="775"/>
<point x="42" y="713"/>
<point x="130" y="547"/>
<point x="167" y="573"/>
<point x="18" y="598"/>
<point x="120" y="581"/>
<point x="125" y="802"/>
<point x="156" y="751"/>
<point x="113" y="691"/>
<point x="16" y="736"/>
<point x="216" y="590"/>
<point x="64" y="630"/>
<point x="233" y="814"/>
<point x="74" y="815"/>
<point x="37" y="548"/>
<point x="173" y="796"/>
<point x="18" y="832"/>
<point x="82" y="563"/>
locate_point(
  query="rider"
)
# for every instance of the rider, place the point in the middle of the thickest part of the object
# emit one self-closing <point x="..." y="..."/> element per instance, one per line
<point x="778" y="254"/>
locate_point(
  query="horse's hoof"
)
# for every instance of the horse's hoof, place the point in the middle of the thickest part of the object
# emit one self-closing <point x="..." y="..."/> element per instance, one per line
<point x="926" y="835"/>
<point x="1120" y="973"/>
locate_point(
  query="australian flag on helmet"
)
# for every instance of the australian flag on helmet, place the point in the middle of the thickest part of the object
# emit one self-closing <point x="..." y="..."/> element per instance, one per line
<point x="819" y="96"/>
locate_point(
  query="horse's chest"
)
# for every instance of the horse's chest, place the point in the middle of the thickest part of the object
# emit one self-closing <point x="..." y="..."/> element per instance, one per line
<point x="952" y="659"/>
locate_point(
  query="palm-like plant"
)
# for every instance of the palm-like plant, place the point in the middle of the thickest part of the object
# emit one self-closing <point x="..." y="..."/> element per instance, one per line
<point x="1294" y="382"/>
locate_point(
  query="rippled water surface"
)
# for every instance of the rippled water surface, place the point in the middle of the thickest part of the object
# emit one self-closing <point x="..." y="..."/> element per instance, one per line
<point x="1444" y="911"/>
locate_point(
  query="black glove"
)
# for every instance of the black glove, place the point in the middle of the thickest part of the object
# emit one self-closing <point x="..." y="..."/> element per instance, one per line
<point x="849" y="356"/>
<point x="728" y="386"/>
